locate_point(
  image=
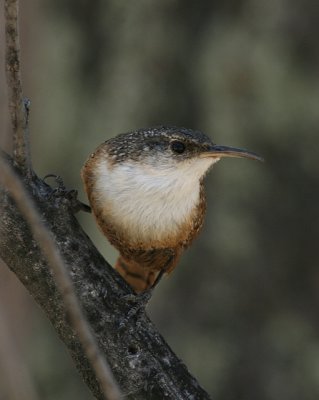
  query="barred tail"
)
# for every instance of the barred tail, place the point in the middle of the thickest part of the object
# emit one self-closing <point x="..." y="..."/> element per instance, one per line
<point x="140" y="279"/>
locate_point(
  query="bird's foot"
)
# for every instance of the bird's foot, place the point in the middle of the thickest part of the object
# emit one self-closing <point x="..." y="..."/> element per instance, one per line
<point x="71" y="196"/>
<point x="136" y="303"/>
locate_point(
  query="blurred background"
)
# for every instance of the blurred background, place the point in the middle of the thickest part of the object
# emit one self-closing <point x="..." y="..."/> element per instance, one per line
<point x="241" y="309"/>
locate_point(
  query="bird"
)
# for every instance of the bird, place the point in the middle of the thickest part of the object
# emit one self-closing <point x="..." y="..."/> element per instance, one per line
<point x="146" y="191"/>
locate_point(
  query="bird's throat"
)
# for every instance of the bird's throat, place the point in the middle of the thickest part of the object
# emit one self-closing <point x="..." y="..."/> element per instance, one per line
<point x="148" y="206"/>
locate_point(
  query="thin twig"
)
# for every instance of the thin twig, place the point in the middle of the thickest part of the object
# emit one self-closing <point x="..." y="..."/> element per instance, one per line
<point x="46" y="243"/>
<point x="18" y="107"/>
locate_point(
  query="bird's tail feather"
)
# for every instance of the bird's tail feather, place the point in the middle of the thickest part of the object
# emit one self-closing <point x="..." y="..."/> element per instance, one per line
<point x="140" y="279"/>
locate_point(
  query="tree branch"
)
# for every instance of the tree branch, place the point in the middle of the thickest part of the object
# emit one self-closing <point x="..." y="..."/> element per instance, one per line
<point x="143" y="364"/>
<point x="19" y="108"/>
<point x="45" y="241"/>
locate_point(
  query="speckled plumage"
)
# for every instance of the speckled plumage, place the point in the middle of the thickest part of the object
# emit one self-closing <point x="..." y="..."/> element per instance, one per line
<point x="147" y="195"/>
<point x="133" y="145"/>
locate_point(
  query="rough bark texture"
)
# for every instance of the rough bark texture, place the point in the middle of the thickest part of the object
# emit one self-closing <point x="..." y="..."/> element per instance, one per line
<point x="18" y="107"/>
<point x="143" y="364"/>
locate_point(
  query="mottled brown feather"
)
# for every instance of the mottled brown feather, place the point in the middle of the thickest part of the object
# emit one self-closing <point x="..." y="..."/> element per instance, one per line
<point x="140" y="264"/>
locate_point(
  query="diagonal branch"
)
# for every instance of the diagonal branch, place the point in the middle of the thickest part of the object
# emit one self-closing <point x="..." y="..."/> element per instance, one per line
<point x="143" y="364"/>
<point x="43" y="237"/>
<point x="18" y="107"/>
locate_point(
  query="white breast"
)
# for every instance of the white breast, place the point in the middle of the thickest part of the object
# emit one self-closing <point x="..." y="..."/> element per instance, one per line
<point x="149" y="202"/>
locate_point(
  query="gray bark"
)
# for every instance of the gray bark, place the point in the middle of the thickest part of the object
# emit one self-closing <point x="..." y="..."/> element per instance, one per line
<point x="143" y="364"/>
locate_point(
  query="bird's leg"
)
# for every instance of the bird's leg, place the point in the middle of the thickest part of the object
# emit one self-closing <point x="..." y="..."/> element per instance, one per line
<point x="139" y="301"/>
<point x="147" y="294"/>
<point x="158" y="278"/>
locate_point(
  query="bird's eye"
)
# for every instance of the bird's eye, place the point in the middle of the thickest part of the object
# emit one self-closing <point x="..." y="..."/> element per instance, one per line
<point x="178" y="147"/>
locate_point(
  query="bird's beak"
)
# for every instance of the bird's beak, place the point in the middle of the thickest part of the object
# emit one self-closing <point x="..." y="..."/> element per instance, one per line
<point x="227" y="151"/>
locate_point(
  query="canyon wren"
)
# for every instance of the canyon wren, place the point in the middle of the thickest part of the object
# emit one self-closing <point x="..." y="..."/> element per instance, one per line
<point x="146" y="191"/>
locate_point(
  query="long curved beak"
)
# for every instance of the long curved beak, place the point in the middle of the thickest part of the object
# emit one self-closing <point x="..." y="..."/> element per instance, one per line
<point x="227" y="151"/>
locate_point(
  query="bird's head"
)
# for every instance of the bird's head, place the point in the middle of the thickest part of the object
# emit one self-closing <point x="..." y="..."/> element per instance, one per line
<point x="164" y="150"/>
<point x="148" y="183"/>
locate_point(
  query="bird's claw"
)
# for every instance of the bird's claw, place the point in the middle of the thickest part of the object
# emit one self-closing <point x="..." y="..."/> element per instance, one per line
<point x="69" y="195"/>
<point x="136" y="303"/>
<point x="58" y="180"/>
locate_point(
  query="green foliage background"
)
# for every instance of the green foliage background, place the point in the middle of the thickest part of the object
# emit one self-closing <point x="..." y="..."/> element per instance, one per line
<point x="242" y="308"/>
